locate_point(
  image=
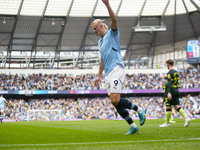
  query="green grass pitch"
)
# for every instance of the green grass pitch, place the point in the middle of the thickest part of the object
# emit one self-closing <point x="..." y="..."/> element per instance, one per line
<point x="98" y="135"/>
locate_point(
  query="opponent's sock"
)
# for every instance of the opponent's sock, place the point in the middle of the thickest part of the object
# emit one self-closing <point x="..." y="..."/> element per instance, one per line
<point x="124" y="114"/>
<point x="168" y="115"/>
<point x="127" y="104"/>
<point x="181" y="111"/>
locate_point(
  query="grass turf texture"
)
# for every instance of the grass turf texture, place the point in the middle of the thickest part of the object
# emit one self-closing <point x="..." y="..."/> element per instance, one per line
<point x="98" y="135"/>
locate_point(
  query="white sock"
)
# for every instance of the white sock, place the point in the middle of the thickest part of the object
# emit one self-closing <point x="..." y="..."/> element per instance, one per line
<point x="133" y="125"/>
<point x="139" y="110"/>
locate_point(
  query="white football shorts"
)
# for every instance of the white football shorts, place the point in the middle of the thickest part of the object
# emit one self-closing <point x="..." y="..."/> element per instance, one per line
<point x="114" y="80"/>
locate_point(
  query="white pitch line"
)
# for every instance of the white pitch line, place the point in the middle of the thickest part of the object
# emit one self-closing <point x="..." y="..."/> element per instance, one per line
<point x="95" y="143"/>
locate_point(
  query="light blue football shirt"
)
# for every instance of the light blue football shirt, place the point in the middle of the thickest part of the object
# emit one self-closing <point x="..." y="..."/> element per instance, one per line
<point x="2" y="101"/>
<point x="109" y="47"/>
<point x="192" y="100"/>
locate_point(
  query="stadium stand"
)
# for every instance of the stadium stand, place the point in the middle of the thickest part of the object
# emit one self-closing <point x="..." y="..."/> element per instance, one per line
<point x="189" y="78"/>
<point x="93" y="108"/>
<point x="83" y="106"/>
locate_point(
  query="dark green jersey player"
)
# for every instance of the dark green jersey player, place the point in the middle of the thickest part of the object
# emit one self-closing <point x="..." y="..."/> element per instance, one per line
<point x="172" y="93"/>
<point x="165" y="88"/>
<point x="173" y="84"/>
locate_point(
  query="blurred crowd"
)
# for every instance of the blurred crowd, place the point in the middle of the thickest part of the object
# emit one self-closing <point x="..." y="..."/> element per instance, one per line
<point x="189" y="78"/>
<point x="91" y="108"/>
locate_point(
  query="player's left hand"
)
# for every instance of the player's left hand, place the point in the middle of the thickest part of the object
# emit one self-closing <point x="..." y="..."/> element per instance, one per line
<point x="105" y="2"/>
<point x="96" y="82"/>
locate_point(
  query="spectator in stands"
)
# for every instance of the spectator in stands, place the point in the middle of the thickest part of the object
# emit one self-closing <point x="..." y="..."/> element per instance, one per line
<point x="189" y="78"/>
<point x="194" y="105"/>
<point x="94" y="108"/>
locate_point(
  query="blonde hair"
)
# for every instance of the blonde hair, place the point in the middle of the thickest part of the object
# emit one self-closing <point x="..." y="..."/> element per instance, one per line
<point x="100" y="21"/>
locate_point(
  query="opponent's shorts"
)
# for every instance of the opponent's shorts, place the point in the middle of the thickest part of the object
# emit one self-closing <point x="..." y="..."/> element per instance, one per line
<point x="174" y="101"/>
<point x="114" y="80"/>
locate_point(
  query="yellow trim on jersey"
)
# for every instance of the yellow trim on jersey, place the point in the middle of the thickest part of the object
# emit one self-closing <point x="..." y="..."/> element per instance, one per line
<point x="175" y="82"/>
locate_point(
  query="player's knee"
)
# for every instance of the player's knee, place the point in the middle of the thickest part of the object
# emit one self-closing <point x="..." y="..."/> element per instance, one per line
<point x="178" y="109"/>
<point x="168" y="109"/>
<point x="115" y="102"/>
<point x="115" y="99"/>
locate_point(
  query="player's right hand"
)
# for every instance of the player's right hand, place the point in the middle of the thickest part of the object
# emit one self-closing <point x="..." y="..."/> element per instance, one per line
<point x="96" y="82"/>
<point x="169" y="96"/>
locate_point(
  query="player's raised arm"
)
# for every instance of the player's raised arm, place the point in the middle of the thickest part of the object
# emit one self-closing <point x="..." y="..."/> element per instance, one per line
<point x="112" y="15"/>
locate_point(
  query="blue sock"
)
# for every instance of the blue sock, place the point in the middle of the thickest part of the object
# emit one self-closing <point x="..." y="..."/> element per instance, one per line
<point x="124" y="114"/>
<point x="127" y="104"/>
